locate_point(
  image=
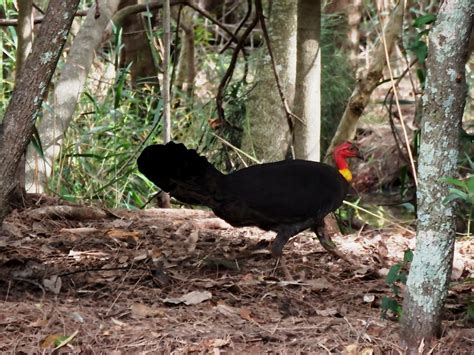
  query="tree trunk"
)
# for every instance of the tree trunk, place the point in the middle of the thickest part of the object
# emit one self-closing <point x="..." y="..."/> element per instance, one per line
<point x="266" y="131"/>
<point x="137" y="47"/>
<point x="24" y="32"/>
<point x="166" y="89"/>
<point x="69" y="87"/>
<point x="354" y="17"/>
<point x="30" y="89"/>
<point x="186" y="71"/>
<point x="443" y="105"/>
<point x="307" y="103"/>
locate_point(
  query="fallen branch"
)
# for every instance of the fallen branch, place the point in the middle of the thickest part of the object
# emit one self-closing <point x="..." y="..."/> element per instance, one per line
<point x="369" y="81"/>
<point x="68" y="212"/>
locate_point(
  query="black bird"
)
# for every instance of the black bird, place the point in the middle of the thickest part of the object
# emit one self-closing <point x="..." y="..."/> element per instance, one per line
<point x="286" y="197"/>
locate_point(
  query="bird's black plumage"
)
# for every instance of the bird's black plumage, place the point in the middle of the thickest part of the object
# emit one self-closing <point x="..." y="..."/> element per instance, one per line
<point x="286" y="197"/>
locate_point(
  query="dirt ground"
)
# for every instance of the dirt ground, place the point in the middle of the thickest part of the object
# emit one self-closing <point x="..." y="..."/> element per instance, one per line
<point x="183" y="281"/>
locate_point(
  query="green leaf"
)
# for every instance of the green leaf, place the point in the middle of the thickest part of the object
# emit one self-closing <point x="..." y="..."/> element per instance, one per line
<point x="403" y="277"/>
<point x="455" y="194"/>
<point x="391" y="304"/>
<point x="424" y="20"/>
<point x="470" y="184"/>
<point x="470" y="310"/>
<point x="392" y="275"/>
<point x="455" y="182"/>
<point x="408" y="256"/>
<point x="421" y="75"/>
<point x="421" y="51"/>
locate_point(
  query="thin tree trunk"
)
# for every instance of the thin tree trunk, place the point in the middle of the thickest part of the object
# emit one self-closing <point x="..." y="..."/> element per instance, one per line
<point x="186" y="72"/>
<point x="443" y="106"/>
<point x="354" y="16"/>
<point x="266" y="132"/>
<point x="166" y="83"/>
<point x="137" y="47"/>
<point x="57" y="118"/>
<point x="24" y="32"/>
<point x="30" y="89"/>
<point x="307" y="103"/>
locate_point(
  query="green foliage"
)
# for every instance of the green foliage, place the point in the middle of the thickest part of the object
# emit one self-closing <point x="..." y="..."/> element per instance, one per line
<point x="397" y="274"/>
<point x="462" y="191"/>
<point x="418" y="44"/>
<point x="8" y="45"/>
<point x="98" y="155"/>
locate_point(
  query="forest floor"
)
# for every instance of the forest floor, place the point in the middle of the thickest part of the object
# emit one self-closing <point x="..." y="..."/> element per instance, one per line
<point x="183" y="281"/>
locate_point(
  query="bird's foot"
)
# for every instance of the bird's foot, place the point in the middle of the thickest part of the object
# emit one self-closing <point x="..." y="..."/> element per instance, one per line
<point x="332" y="249"/>
<point x="282" y="264"/>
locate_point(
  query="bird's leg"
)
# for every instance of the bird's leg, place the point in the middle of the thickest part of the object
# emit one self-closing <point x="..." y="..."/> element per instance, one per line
<point x="282" y="263"/>
<point x="279" y="243"/>
<point x="329" y="245"/>
<point x="283" y="235"/>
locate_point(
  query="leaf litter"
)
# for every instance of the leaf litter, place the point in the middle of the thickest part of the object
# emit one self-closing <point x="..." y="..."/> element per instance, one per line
<point x="180" y="281"/>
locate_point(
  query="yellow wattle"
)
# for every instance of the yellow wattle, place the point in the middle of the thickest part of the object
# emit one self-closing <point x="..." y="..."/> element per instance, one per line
<point x="346" y="173"/>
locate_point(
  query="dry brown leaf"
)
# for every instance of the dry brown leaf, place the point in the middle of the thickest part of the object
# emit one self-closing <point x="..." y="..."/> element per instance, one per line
<point x="382" y="250"/>
<point x="50" y="340"/>
<point x="80" y="230"/>
<point x="367" y="351"/>
<point x="320" y="283"/>
<point x="226" y="310"/>
<point x="192" y="240"/>
<point x="246" y="314"/>
<point x="458" y="268"/>
<point x="142" y="310"/>
<point x="327" y="312"/>
<point x="11" y="229"/>
<point x="196" y="297"/>
<point x="191" y="298"/>
<point x="53" y="284"/>
<point x="123" y="234"/>
<point x="118" y="322"/>
<point x="39" y="323"/>
<point x="351" y="349"/>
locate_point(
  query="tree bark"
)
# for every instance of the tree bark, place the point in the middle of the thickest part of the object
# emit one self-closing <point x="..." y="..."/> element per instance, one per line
<point x="137" y="47"/>
<point x="443" y="105"/>
<point x="186" y="71"/>
<point x="166" y="89"/>
<point x="369" y="81"/>
<point x="30" y="89"/>
<point x="24" y="32"/>
<point x="307" y="103"/>
<point x="266" y="130"/>
<point x="57" y="118"/>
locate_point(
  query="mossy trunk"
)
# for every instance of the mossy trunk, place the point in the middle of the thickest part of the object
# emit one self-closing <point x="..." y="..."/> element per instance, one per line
<point x="266" y="131"/>
<point x="443" y="105"/>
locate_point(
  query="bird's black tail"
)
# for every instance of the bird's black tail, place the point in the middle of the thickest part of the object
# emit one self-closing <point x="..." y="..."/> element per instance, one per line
<point x="182" y="172"/>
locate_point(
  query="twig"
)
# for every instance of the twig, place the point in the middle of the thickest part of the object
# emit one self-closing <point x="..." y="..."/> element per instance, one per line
<point x="230" y="70"/>
<point x="14" y="22"/>
<point x="236" y="149"/>
<point x="375" y="215"/>
<point x="389" y="98"/>
<point x="395" y="91"/>
<point x="244" y="20"/>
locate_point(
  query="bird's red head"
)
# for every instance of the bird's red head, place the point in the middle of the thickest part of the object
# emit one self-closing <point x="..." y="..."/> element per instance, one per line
<point x="341" y="153"/>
